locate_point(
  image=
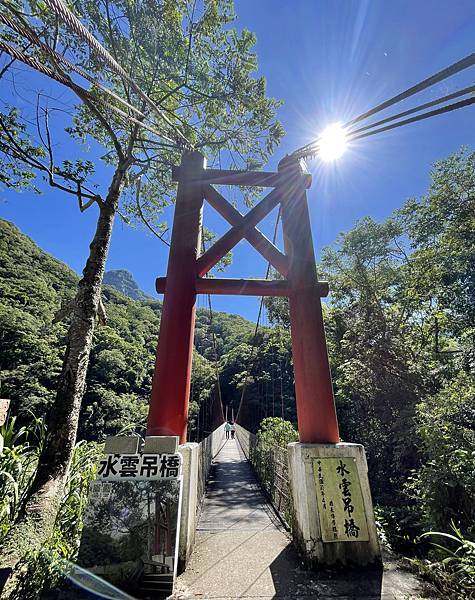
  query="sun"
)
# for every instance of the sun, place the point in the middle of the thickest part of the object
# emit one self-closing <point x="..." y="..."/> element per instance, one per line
<point x="332" y="142"/>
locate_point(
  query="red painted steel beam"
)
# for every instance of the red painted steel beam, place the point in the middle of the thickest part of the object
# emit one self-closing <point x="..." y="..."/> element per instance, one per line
<point x="316" y="414"/>
<point x="229" y="177"/>
<point x="249" y="287"/>
<point x="242" y="287"/>
<point x="168" y="412"/>
<point x="260" y="242"/>
<point x="221" y="247"/>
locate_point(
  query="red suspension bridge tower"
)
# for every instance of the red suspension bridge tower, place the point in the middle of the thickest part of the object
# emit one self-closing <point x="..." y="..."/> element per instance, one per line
<point x="317" y="421"/>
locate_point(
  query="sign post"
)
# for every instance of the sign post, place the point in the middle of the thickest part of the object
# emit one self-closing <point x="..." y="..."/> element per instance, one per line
<point x="131" y="527"/>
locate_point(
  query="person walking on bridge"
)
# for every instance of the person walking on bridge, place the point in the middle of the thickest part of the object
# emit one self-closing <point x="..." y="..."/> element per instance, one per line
<point x="233" y="429"/>
<point x="227" y="429"/>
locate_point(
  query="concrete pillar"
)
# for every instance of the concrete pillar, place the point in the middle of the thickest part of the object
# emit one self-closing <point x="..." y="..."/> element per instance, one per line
<point x="121" y="444"/>
<point x="189" y="503"/>
<point x="333" y="511"/>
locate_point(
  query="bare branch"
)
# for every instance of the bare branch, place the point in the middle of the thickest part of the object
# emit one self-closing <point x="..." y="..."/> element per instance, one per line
<point x="142" y="216"/>
<point x="93" y="108"/>
<point x="16" y="151"/>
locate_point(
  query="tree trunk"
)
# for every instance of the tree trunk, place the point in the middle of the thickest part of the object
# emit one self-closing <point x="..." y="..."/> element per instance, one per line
<point x="36" y="521"/>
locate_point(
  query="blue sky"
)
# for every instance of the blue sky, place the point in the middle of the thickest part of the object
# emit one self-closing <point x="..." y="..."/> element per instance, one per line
<point x="328" y="60"/>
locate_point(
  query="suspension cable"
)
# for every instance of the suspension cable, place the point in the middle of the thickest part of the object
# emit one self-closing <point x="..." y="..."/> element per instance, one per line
<point x="256" y="330"/>
<point x="463" y="92"/>
<point x="215" y="352"/>
<point x="213" y="336"/>
<point x="66" y="81"/>
<point x="426" y="115"/>
<point x="311" y="148"/>
<point x="456" y="67"/>
<point x="75" y="25"/>
<point x="31" y="36"/>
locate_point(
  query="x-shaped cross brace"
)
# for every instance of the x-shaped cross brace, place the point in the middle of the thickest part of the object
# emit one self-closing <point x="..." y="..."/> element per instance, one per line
<point x="243" y="226"/>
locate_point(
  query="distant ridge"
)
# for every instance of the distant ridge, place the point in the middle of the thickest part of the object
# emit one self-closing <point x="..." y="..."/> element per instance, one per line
<point x="123" y="282"/>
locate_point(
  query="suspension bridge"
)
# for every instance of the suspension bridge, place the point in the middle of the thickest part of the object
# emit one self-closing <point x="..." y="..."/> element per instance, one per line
<point x="238" y="546"/>
<point x="234" y="536"/>
<point x="243" y="548"/>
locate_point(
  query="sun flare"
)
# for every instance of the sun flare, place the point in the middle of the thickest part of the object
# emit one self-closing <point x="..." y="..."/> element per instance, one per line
<point x="332" y="142"/>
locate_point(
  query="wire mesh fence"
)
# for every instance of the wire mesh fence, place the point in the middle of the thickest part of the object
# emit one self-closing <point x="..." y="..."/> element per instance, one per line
<point x="271" y="466"/>
<point x="207" y="450"/>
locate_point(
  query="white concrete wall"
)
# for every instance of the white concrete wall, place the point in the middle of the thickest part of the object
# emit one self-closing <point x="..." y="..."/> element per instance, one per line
<point x="189" y="502"/>
<point x="196" y="464"/>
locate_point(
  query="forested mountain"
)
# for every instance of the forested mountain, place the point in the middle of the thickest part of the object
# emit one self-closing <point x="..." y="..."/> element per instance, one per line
<point x="123" y="281"/>
<point x="35" y="291"/>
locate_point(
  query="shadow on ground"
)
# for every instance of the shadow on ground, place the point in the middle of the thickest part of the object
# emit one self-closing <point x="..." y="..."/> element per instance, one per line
<point x="291" y="580"/>
<point x="242" y="550"/>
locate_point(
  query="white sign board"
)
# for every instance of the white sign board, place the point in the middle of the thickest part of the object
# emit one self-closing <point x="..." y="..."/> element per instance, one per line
<point x="139" y="467"/>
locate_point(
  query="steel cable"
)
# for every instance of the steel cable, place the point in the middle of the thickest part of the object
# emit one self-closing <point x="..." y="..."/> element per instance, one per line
<point x="432" y="113"/>
<point x="74" y="24"/>
<point x="259" y="314"/>
<point x="460" y="65"/>
<point x="31" y="36"/>
<point x="61" y="78"/>
<point x="215" y="351"/>
<point x="311" y="149"/>
<point x="463" y="92"/>
<point x="213" y="338"/>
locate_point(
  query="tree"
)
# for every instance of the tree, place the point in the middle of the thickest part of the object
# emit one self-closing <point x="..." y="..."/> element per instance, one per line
<point x="441" y="272"/>
<point x="444" y="486"/>
<point x="200" y="71"/>
<point x="376" y="382"/>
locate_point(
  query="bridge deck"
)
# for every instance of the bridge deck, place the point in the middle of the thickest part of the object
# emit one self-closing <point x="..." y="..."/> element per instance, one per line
<point x="242" y="550"/>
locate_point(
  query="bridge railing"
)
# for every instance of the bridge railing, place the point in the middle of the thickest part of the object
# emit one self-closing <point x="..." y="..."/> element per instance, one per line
<point x="272" y="468"/>
<point x="208" y="448"/>
<point x="196" y="464"/>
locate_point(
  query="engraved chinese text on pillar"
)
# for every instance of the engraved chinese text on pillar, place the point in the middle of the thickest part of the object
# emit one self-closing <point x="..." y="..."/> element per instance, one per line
<point x="340" y="501"/>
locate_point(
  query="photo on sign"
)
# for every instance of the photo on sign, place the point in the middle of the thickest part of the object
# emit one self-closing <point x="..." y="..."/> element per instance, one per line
<point x="130" y="535"/>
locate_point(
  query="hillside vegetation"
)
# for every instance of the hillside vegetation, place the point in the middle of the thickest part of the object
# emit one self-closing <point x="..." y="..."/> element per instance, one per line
<point x="33" y="288"/>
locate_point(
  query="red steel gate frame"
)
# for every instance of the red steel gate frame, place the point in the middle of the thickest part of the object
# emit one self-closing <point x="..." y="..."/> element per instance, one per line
<point x="168" y="414"/>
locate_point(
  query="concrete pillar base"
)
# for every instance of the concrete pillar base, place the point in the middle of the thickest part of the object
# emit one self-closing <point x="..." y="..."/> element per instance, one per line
<point x="190" y="500"/>
<point x="333" y="512"/>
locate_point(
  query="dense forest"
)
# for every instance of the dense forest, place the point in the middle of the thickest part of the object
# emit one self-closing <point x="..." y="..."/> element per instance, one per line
<point x="35" y="292"/>
<point x="401" y="338"/>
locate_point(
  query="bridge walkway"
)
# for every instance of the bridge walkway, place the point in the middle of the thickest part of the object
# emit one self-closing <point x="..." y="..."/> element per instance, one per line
<point x="243" y="551"/>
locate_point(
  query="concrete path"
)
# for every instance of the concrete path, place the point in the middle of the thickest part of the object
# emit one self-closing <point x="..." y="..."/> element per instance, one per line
<point x="242" y="550"/>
